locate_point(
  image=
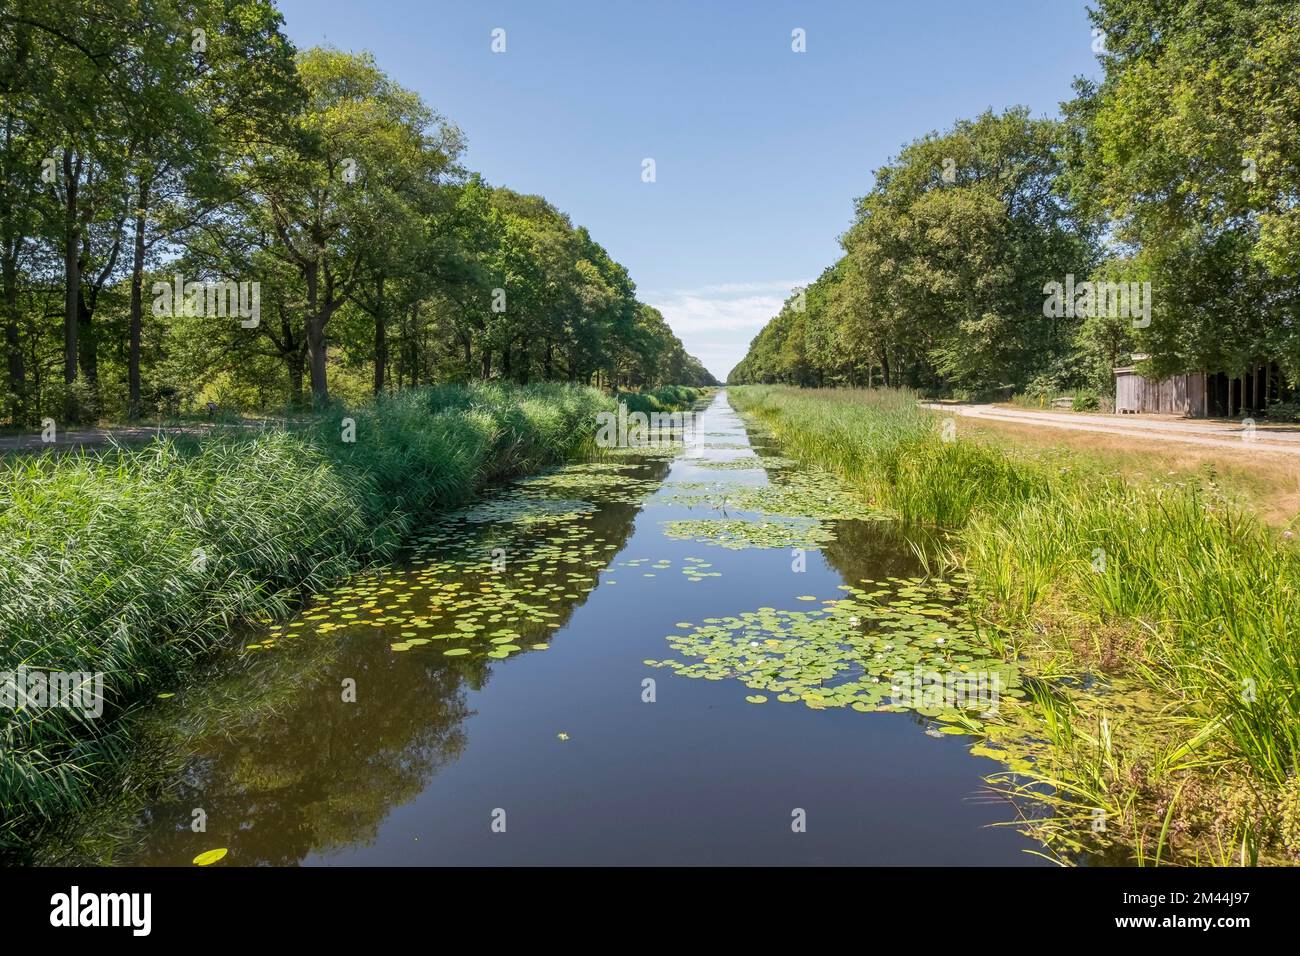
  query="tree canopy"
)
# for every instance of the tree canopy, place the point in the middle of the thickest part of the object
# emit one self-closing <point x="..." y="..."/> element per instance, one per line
<point x="1179" y="168"/>
<point x="192" y="210"/>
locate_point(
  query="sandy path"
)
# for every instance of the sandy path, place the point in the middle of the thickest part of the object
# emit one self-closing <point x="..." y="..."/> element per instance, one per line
<point x="1210" y="433"/>
<point x="75" y="438"/>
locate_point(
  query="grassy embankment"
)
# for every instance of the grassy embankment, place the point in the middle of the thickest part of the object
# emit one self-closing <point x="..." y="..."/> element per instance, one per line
<point x="138" y="562"/>
<point x="1163" y="587"/>
<point x="1265" y="482"/>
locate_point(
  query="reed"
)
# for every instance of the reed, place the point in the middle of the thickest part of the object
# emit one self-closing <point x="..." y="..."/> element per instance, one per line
<point x="136" y="562"/>
<point x="1206" y="596"/>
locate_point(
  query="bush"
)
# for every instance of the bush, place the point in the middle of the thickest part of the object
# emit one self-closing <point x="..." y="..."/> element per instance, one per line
<point x="1284" y="412"/>
<point x="666" y="398"/>
<point x="1086" y="400"/>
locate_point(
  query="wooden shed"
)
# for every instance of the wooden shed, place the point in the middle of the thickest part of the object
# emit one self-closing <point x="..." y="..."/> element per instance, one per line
<point x="1176" y="395"/>
<point x="1200" y="394"/>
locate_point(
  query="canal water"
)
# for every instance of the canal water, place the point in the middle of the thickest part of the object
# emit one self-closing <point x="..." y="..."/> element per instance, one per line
<point x="679" y="655"/>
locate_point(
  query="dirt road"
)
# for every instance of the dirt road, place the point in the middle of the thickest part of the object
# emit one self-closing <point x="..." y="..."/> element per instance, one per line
<point x="77" y="438"/>
<point x="1213" y="433"/>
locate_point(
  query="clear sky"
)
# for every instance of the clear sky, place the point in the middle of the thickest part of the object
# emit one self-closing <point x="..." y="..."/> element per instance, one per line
<point x="759" y="151"/>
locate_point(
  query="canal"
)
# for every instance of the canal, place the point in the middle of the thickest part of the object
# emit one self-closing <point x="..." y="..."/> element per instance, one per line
<point x="683" y="654"/>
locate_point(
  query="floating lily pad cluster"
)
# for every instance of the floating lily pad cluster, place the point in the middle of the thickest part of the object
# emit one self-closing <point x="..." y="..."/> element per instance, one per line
<point x="488" y="580"/>
<point x="494" y="578"/>
<point x="737" y="533"/>
<point x="521" y="508"/>
<point x="549" y="498"/>
<point x="600" y="481"/>
<point x="658" y="449"/>
<point x="746" y="462"/>
<point x="863" y="651"/>
<point x="695" y="569"/>
<point x="446" y="602"/>
<point x="810" y="494"/>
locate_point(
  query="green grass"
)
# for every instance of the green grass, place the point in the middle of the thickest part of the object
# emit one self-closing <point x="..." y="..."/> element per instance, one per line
<point x="136" y="562"/>
<point x="1081" y="400"/>
<point x="1204" y="596"/>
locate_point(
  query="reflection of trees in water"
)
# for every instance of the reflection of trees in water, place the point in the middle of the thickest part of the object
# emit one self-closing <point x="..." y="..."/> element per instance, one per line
<point x="285" y="768"/>
<point x="863" y="549"/>
<point x="876" y="550"/>
<point x="320" y="771"/>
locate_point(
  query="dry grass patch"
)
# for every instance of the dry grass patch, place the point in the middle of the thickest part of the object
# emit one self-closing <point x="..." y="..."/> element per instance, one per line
<point x="1268" y="484"/>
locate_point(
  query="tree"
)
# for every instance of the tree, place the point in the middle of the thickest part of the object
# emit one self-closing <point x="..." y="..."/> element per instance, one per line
<point x="363" y="145"/>
<point x="145" y="139"/>
<point x="1189" y="145"/>
<point x="941" y="283"/>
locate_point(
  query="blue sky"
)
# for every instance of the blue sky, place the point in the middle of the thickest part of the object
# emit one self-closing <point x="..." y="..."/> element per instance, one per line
<point x="759" y="151"/>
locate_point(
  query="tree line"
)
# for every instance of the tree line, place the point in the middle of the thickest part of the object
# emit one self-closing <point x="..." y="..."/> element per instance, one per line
<point x="192" y="210"/>
<point x="1172" y="185"/>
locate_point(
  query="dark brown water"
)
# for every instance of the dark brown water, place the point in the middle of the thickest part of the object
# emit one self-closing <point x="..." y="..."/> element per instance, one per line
<point x="559" y="744"/>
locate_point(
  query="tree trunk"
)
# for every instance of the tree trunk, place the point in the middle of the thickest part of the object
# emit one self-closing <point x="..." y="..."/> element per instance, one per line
<point x="19" y="51"/>
<point x="320" y="394"/>
<point x="415" y="352"/>
<point x="71" y="271"/>
<point x="13" y="350"/>
<point x="87" y="348"/>
<point x="381" y="339"/>
<point x="295" y="363"/>
<point x="137" y="306"/>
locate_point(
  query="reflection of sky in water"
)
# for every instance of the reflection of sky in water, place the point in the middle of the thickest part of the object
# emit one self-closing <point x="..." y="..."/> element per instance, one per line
<point x="412" y="771"/>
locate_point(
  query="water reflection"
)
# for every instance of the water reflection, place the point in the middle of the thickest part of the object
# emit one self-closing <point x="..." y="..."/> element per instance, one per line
<point x="307" y="746"/>
<point x="478" y="686"/>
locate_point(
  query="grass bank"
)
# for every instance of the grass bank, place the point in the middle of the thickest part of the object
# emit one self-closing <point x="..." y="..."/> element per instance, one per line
<point x="1266" y="483"/>
<point x="134" y="563"/>
<point x="1162" y="587"/>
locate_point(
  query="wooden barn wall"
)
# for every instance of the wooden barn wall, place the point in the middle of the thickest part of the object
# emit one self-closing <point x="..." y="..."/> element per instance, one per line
<point x="1126" y="392"/>
<point x="1179" y="395"/>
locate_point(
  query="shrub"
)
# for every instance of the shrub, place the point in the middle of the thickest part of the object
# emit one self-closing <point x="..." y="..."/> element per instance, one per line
<point x="1086" y="400"/>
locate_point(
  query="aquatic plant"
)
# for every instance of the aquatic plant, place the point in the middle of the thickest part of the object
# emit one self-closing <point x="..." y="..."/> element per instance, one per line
<point x="738" y="533"/>
<point x="1188" y="595"/>
<point x="861" y="651"/>
<point x="136" y="562"/>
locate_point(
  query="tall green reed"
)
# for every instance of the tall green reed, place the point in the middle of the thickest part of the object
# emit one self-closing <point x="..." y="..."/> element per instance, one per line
<point x="135" y="562"/>
<point x="1212" y="593"/>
